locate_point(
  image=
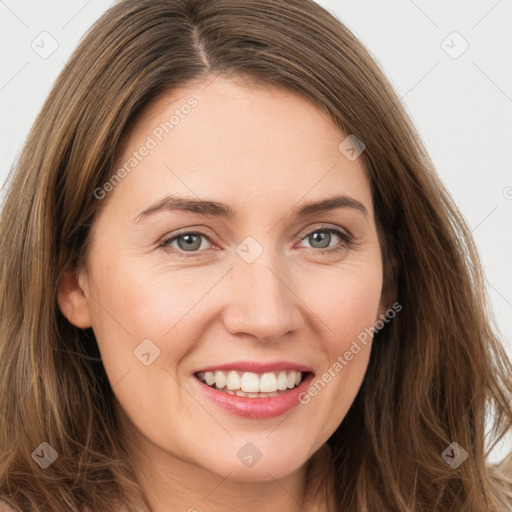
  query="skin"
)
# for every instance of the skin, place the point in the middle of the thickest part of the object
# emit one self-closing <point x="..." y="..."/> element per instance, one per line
<point x="263" y="151"/>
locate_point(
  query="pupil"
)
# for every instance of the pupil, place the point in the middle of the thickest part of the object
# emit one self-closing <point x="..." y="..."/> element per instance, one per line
<point x="323" y="236"/>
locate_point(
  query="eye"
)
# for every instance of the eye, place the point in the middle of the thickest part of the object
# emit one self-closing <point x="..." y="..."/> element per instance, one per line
<point x="191" y="242"/>
<point x="186" y="242"/>
<point x="322" y="237"/>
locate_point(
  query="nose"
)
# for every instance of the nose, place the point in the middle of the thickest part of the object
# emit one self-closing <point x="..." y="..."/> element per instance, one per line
<point x="261" y="301"/>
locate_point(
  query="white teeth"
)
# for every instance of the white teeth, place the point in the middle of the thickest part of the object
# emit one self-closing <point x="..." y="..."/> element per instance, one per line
<point x="220" y="379"/>
<point x="233" y="381"/>
<point x="268" y="383"/>
<point x="282" y="381"/>
<point x="251" y="383"/>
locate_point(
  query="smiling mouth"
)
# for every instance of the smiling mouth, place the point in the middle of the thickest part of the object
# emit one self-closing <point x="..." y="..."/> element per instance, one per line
<point x="252" y="384"/>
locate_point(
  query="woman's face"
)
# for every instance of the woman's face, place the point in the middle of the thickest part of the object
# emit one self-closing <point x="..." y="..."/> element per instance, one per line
<point x="248" y="283"/>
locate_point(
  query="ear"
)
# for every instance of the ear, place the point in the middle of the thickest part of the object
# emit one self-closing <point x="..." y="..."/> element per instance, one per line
<point x="72" y="300"/>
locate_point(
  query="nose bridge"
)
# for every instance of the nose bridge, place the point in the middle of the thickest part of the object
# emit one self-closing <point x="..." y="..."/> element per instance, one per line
<point x="261" y="302"/>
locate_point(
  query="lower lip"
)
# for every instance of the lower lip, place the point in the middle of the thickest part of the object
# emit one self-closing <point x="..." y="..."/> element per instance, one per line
<point x="268" y="407"/>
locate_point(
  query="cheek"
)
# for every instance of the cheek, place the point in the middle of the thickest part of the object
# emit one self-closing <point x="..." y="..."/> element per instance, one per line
<point x="133" y="305"/>
<point x="346" y="303"/>
<point x="136" y="302"/>
<point x="345" y="300"/>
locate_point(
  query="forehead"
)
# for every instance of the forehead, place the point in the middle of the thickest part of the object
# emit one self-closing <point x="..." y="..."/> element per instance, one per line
<point x="220" y="137"/>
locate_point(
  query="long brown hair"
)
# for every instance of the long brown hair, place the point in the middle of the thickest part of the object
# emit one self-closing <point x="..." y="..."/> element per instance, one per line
<point x="436" y="372"/>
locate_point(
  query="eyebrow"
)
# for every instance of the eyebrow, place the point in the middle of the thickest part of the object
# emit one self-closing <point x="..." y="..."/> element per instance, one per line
<point x="223" y="210"/>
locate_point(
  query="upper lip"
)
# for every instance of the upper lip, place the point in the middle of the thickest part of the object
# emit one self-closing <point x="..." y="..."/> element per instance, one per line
<point x="253" y="366"/>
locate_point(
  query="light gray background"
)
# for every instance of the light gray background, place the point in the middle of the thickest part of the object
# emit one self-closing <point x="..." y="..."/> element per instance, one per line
<point x="461" y="104"/>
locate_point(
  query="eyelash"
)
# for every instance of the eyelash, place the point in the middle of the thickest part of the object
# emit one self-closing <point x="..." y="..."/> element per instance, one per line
<point x="346" y="241"/>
